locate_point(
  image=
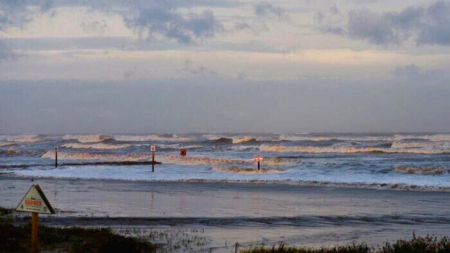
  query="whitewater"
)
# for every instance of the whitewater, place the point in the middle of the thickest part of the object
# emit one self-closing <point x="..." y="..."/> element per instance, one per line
<point x="405" y="162"/>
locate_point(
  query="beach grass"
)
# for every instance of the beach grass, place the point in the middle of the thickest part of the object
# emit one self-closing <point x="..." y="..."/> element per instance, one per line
<point x="17" y="238"/>
<point x="427" y="244"/>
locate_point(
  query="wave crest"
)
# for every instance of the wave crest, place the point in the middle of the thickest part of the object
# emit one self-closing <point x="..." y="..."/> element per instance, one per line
<point x="343" y="150"/>
<point x="88" y="138"/>
<point x="421" y="171"/>
<point x="244" y="140"/>
<point x="24" y="139"/>
<point x="162" y="138"/>
<point x="95" y="146"/>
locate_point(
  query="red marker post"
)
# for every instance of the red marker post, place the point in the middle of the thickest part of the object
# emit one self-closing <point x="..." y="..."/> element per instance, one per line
<point x="258" y="159"/>
<point x="183" y="152"/>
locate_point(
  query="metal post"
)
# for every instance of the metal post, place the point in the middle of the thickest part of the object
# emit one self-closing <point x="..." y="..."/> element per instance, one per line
<point x="34" y="232"/>
<point x="153" y="161"/>
<point x="259" y="165"/>
<point x="56" y="157"/>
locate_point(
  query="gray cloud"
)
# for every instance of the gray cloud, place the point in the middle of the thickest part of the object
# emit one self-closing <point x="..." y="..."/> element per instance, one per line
<point x="5" y="52"/>
<point x="423" y="25"/>
<point x="265" y="9"/>
<point x="198" y="71"/>
<point x="163" y="21"/>
<point x="409" y="71"/>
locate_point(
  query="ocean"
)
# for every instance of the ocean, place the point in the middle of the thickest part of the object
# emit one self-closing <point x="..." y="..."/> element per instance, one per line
<point x="405" y="162"/>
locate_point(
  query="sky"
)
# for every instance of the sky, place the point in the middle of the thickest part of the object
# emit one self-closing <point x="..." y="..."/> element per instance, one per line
<point x="279" y="66"/>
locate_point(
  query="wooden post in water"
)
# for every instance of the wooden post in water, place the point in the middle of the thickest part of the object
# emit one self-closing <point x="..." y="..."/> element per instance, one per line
<point x="259" y="165"/>
<point x="153" y="161"/>
<point x="56" y="157"/>
<point x="34" y="231"/>
<point x="153" y="149"/>
<point x="236" y="247"/>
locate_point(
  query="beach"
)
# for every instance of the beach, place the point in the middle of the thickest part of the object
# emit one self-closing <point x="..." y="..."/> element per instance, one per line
<point x="250" y="214"/>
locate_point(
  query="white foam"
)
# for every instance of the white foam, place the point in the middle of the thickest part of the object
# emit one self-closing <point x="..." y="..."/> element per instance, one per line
<point x="340" y="149"/>
<point x="24" y="139"/>
<point x="243" y="139"/>
<point x="88" y="138"/>
<point x="421" y="171"/>
<point x="95" y="146"/>
<point x="162" y="138"/>
<point x="3" y="144"/>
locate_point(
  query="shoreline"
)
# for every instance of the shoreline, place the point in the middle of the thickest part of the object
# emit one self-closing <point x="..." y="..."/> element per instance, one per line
<point x="338" y="185"/>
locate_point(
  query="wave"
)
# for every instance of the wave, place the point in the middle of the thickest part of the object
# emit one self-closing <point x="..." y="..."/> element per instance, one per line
<point x="162" y="138"/>
<point x="375" y="186"/>
<point x="233" y="140"/>
<point x="246" y="170"/>
<point x="10" y="152"/>
<point x="295" y="138"/>
<point x="95" y="146"/>
<point x="222" y="140"/>
<point x="24" y="139"/>
<point x="4" y="144"/>
<point x="244" y="140"/>
<point x="430" y="137"/>
<point x="423" y="145"/>
<point x="177" y="146"/>
<point x="165" y="159"/>
<point x="309" y="149"/>
<point x="88" y="138"/>
<point x="421" y="171"/>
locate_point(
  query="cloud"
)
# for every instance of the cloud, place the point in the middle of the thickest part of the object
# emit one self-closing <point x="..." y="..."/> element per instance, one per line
<point x="409" y="71"/>
<point x="5" y="52"/>
<point x="198" y="71"/>
<point x="424" y="25"/>
<point x="163" y="21"/>
<point x="17" y="13"/>
<point x="265" y="9"/>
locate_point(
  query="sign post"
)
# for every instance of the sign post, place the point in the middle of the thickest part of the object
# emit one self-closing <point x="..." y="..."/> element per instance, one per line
<point x="35" y="202"/>
<point x="56" y="157"/>
<point x="153" y="149"/>
<point x="258" y="159"/>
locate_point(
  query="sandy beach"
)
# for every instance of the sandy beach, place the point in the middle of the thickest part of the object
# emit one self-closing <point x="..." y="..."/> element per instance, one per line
<point x="226" y="213"/>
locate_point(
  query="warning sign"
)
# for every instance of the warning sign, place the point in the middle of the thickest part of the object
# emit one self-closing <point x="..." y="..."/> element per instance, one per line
<point x="35" y="202"/>
<point x="258" y="158"/>
<point x="153" y="148"/>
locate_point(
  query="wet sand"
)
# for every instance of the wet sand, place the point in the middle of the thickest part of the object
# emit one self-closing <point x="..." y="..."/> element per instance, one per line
<point x="245" y="213"/>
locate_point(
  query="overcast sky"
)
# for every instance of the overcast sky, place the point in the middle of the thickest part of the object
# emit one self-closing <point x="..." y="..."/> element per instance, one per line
<point x="155" y="66"/>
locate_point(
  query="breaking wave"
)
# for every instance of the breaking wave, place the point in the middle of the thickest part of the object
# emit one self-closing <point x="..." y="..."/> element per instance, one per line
<point x="4" y="144"/>
<point x="24" y="139"/>
<point x="421" y="171"/>
<point x="244" y="140"/>
<point x="165" y="159"/>
<point x="309" y="149"/>
<point x="163" y="138"/>
<point x="95" y="146"/>
<point x="422" y="145"/>
<point x="246" y="170"/>
<point x="88" y="138"/>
